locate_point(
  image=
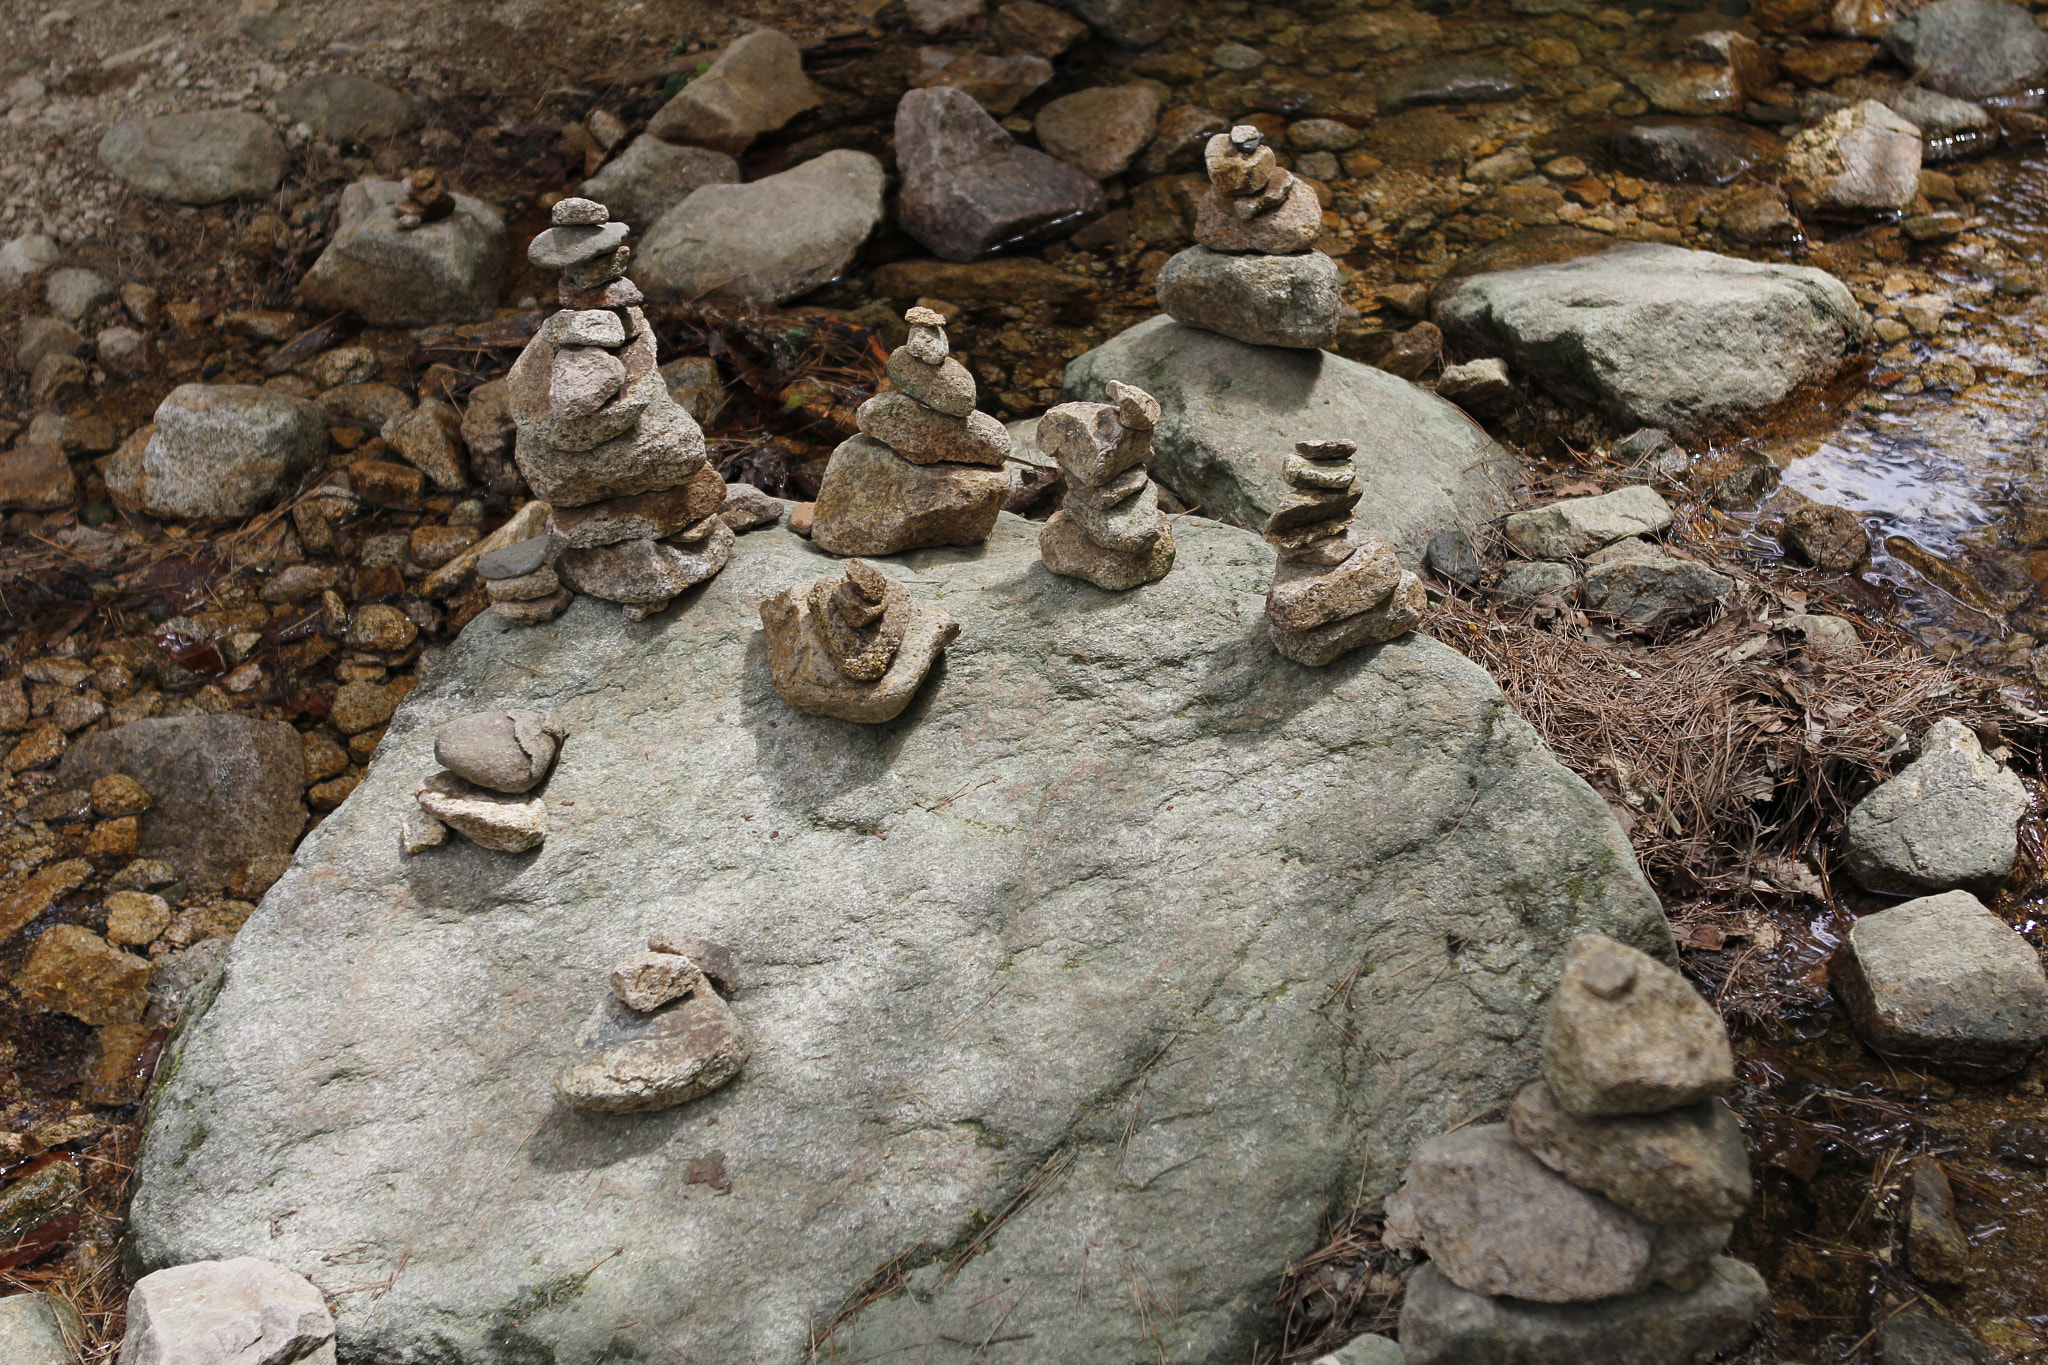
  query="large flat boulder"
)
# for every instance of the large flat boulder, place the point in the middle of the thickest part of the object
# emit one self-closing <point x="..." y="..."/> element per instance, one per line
<point x="1130" y="948"/>
<point x="1659" y="336"/>
<point x="1230" y="415"/>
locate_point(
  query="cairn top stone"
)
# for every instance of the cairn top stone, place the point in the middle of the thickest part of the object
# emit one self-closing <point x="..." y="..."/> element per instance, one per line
<point x="580" y="213"/>
<point x="1628" y="1035"/>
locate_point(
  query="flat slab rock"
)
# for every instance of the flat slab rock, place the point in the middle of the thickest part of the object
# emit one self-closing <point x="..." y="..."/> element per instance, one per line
<point x="1113" y="834"/>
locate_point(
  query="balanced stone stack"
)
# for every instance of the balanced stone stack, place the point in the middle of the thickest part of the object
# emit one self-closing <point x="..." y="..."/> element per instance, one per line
<point x="1333" y="589"/>
<point x="491" y="761"/>
<point x="854" y="647"/>
<point x="1254" y="274"/>
<point x="1110" y="530"/>
<point x="926" y="469"/>
<point x="635" y="517"/>
<point x="665" y="1034"/>
<point x="1586" y="1230"/>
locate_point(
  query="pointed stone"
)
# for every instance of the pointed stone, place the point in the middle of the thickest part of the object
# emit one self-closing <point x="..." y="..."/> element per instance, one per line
<point x="1628" y="1035"/>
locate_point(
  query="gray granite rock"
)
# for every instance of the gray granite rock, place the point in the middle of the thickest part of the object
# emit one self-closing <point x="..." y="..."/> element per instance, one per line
<point x="1450" y="80"/>
<point x="1534" y="578"/>
<point x="242" y="1311"/>
<point x="228" y="450"/>
<point x="1863" y="159"/>
<point x="450" y="270"/>
<point x="39" y="1329"/>
<point x="199" y="158"/>
<point x="1653" y="590"/>
<point x="766" y="242"/>
<point x="651" y="177"/>
<point x="1684" y="339"/>
<point x="969" y="187"/>
<point x="1949" y="819"/>
<point x="1257" y="299"/>
<point x="1019" y="808"/>
<point x="1231" y="413"/>
<point x="756" y="85"/>
<point x="1943" y="980"/>
<point x="1573" y="528"/>
<point x="339" y="105"/>
<point x="1969" y="48"/>
<point x="1685" y="1165"/>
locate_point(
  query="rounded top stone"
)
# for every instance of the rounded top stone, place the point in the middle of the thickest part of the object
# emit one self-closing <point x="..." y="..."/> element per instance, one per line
<point x="505" y="751"/>
<point x="581" y="213"/>
<point x="1246" y="139"/>
<point x="925" y="317"/>
<point x="558" y="248"/>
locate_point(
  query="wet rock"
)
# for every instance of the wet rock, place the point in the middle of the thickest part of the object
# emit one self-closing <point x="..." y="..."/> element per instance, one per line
<point x="340" y="106"/>
<point x="1442" y="1324"/>
<point x="226" y="789"/>
<point x="38" y="892"/>
<point x="1760" y="217"/>
<point x="39" y="1329"/>
<point x="1919" y="1337"/>
<point x="72" y="293"/>
<point x="71" y="970"/>
<point x="1098" y="131"/>
<point x="504" y="823"/>
<point x="1531" y="579"/>
<point x="756" y="85"/>
<point x="877" y="503"/>
<point x="1231" y="413"/>
<point x="1480" y="387"/>
<point x="1129" y="23"/>
<point x="1687" y="338"/>
<point x="651" y="177"/>
<point x="25" y="257"/>
<point x="36" y="478"/>
<point x="764" y="243"/>
<point x="1969" y="48"/>
<point x="1942" y="980"/>
<point x="1937" y="1248"/>
<point x="200" y="158"/>
<point x="1184" y="131"/>
<point x="1255" y="299"/>
<point x="1497" y="1221"/>
<point x="1686" y="1165"/>
<point x="36" y="1198"/>
<point x="1654" y="591"/>
<point x="1948" y="820"/>
<point x="1709" y="73"/>
<point x="228" y="450"/>
<point x="1628" y="1035"/>
<point x="506" y="751"/>
<point x="1826" y="537"/>
<point x="239" y="1312"/>
<point x="177" y="977"/>
<point x="1575" y="527"/>
<point x="448" y="270"/>
<point x="1949" y="127"/>
<point x="1452" y="80"/>
<point x="969" y="187"/>
<point x="1157" y="682"/>
<point x="136" y="918"/>
<point x="1863" y="159"/>
<point x="1034" y="29"/>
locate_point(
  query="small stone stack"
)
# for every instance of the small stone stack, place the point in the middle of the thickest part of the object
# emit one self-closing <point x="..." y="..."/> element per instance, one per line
<point x="1333" y="590"/>
<point x="491" y="760"/>
<point x="1615" y="1182"/>
<point x="635" y="506"/>
<point x="1110" y="529"/>
<point x="927" y="469"/>
<point x="664" y="1036"/>
<point x="1254" y="274"/>
<point x="854" y="647"/>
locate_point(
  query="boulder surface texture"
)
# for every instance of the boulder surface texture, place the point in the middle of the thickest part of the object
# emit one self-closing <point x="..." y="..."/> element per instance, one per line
<point x="1656" y="335"/>
<point x="1230" y="415"/>
<point x="1035" y="973"/>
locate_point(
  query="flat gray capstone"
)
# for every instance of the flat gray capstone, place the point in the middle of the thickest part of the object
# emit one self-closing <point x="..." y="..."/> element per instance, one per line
<point x="1949" y="819"/>
<point x="1231" y="413"/>
<point x="1259" y="300"/>
<point x="1657" y="335"/>
<point x="1057" y="938"/>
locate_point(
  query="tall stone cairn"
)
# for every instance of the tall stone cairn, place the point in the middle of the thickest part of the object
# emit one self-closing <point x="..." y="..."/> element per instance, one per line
<point x="1333" y="589"/>
<point x="1110" y="530"/>
<point x="926" y="469"/>
<point x="634" y="516"/>
<point x="1254" y="274"/>
<point x="1597" y="1213"/>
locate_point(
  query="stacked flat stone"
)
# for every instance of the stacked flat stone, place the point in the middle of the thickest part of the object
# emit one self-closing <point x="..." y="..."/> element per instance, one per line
<point x="491" y="762"/>
<point x="855" y="647"/>
<point x="926" y="469"/>
<point x="1254" y="274"/>
<point x="1615" y="1182"/>
<point x="1110" y="529"/>
<point x="635" y="507"/>
<point x="1333" y="589"/>
<point x="665" y="1034"/>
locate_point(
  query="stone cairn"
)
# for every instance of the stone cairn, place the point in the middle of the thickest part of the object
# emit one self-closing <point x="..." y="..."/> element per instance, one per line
<point x="1254" y="274"/>
<point x="1333" y="590"/>
<point x="634" y="515"/>
<point x="855" y="647"/>
<point x="1110" y="529"/>
<point x="1615" y="1181"/>
<point x="664" y="1035"/>
<point x="426" y="200"/>
<point x="491" y="762"/>
<point x="926" y="469"/>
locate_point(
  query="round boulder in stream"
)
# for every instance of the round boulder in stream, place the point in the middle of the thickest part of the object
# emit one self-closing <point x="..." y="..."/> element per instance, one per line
<point x="1129" y="946"/>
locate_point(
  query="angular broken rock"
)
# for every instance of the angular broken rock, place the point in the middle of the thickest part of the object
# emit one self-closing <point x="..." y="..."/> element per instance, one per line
<point x="1628" y="1035"/>
<point x="1576" y="527"/>
<point x="419" y="831"/>
<point x="924" y="435"/>
<point x="814" y="673"/>
<point x="647" y="981"/>
<point x="1949" y="819"/>
<point x="875" y="502"/>
<point x="240" y="1312"/>
<point x="1323" y="645"/>
<point x="509" y="824"/>
<point x="630" y="1062"/>
<point x="1686" y="1165"/>
<point x="506" y="751"/>
<point x="533" y="611"/>
<point x="1497" y="1221"/>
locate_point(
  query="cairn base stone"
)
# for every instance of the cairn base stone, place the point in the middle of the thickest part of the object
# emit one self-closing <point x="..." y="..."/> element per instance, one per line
<point x="646" y="573"/>
<point x="665" y="449"/>
<point x="634" y="1062"/>
<point x="875" y="502"/>
<point x="1067" y="550"/>
<point x="1442" y="1324"/>
<point x="1305" y="596"/>
<point x="1291" y="301"/>
<point x="806" y="678"/>
<point x="1398" y="615"/>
